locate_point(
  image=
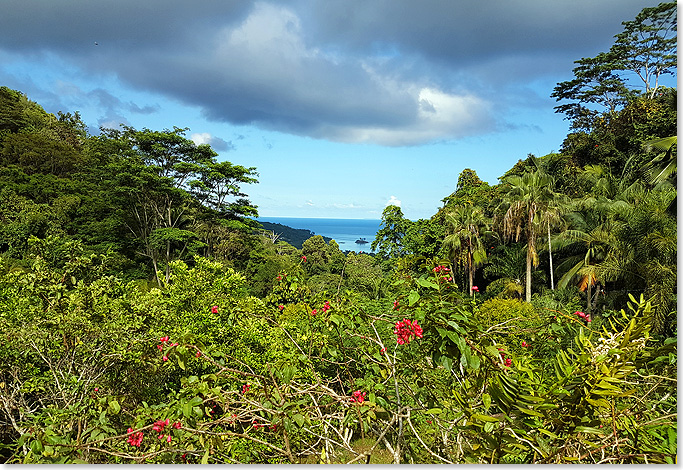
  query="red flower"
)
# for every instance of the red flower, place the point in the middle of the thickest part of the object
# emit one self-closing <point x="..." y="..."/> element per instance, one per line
<point x="245" y="389"/>
<point x="165" y="358"/>
<point x="199" y="353"/>
<point x="168" y="438"/>
<point x="508" y="362"/>
<point x="134" y="439"/>
<point x="383" y="350"/>
<point x="314" y="311"/>
<point x="405" y="330"/>
<point x="303" y="258"/>
<point x="326" y="307"/>
<point x="396" y="306"/>
<point x="475" y="289"/>
<point x="214" y="309"/>
<point x="358" y="397"/>
<point x="164" y="339"/>
<point x="177" y="425"/>
<point x="524" y="345"/>
<point x="281" y="307"/>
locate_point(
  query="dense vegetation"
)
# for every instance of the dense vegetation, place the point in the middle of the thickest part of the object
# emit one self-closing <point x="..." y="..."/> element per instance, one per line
<point x="147" y="318"/>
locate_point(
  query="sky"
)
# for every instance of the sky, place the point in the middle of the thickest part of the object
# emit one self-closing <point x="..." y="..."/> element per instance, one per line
<point x="343" y="106"/>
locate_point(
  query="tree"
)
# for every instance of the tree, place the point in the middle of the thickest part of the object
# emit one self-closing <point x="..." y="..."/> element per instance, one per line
<point x="647" y="46"/>
<point x="465" y="230"/>
<point x="389" y="238"/>
<point x="170" y="185"/>
<point x="526" y="199"/>
<point x="591" y="237"/>
<point x="595" y="83"/>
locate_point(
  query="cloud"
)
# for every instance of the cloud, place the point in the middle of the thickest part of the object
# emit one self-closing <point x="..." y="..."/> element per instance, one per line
<point x="388" y="72"/>
<point x="393" y="201"/>
<point x="216" y="143"/>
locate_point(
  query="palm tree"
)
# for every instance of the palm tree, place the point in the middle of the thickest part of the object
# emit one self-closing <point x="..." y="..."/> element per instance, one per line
<point x="527" y="199"/>
<point x="465" y="227"/>
<point x="591" y="238"/>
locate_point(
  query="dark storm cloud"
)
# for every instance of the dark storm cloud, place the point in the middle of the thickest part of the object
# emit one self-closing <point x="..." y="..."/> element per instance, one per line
<point x="394" y="72"/>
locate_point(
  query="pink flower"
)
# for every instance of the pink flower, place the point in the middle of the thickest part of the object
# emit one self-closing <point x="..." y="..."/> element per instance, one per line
<point x="508" y="362"/>
<point x="383" y="350"/>
<point x="164" y="339"/>
<point x="281" y="307"/>
<point x="314" y="311"/>
<point x="199" y="353"/>
<point x="588" y="319"/>
<point x="97" y="389"/>
<point x="165" y="358"/>
<point x="396" y="306"/>
<point x="214" y="309"/>
<point x="326" y="307"/>
<point x="303" y="258"/>
<point x="245" y="389"/>
<point x="524" y="345"/>
<point x="177" y="425"/>
<point x="160" y="347"/>
<point x="475" y="289"/>
<point x="168" y="438"/>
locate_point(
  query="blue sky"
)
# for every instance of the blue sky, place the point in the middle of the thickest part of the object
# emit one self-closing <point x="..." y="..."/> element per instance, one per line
<point x="343" y="106"/>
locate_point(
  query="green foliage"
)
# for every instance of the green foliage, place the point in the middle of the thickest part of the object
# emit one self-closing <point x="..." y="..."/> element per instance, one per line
<point x="247" y="349"/>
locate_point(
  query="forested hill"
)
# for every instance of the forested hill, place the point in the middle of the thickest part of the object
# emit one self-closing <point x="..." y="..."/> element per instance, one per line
<point x="147" y="318"/>
<point x="294" y="236"/>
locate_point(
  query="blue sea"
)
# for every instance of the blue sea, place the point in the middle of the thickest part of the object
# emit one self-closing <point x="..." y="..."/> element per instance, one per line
<point x="343" y="231"/>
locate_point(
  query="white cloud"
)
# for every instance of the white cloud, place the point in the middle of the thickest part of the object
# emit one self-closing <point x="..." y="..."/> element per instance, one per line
<point x="394" y="201"/>
<point x="201" y="138"/>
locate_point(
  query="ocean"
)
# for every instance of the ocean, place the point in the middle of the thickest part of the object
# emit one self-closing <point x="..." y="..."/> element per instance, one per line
<point x="344" y="231"/>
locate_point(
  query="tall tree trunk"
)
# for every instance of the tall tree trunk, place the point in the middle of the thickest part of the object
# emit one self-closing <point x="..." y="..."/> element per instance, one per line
<point x="528" y="275"/>
<point x="470" y="269"/>
<point x="589" y="291"/>
<point x="550" y="254"/>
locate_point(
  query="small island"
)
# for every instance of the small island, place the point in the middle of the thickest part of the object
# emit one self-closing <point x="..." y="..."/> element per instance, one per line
<point x="361" y="241"/>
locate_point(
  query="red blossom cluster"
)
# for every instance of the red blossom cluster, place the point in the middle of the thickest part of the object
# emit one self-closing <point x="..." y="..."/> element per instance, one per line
<point x="303" y="258"/>
<point x="524" y="344"/>
<point x="165" y="341"/>
<point x="506" y="360"/>
<point x="443" y="269"/>
<point x="584" y="316"/>
<point x="396" y="305"/>
<point x="405" y="330"/>
<point x="281" y="307"/>
<point x="160" y="425"/>
<point x="134" y="438"/>
<point x="245" y="389"/>
<point x="326" y="306"/>
<point x="475" y="289"/>
<point x="358" y="397"/>
<point x="214" y="309"/>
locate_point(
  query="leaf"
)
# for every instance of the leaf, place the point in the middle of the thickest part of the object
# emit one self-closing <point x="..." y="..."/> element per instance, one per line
<point x="434" y="411"/>
<point x="413" y="297"/>
<point x="114" y="407"/>
<point x="205" y="458"/>
<point x="427" y="283"/>
<point x="486" y="399"/>
<point x="485" y="418"/>
<point x="298" y="419"/>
